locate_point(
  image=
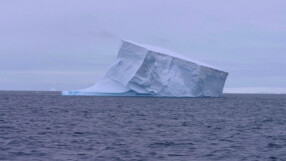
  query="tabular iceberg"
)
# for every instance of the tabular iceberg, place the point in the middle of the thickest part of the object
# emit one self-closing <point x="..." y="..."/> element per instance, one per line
<point x="144" y="70"/>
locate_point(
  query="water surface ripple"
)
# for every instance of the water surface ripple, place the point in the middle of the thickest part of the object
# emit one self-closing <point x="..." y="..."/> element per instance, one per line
<point x="48" y="126"/>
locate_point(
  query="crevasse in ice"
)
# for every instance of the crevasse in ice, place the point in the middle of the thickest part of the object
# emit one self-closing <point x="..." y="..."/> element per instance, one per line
<point x="144" y="70"/>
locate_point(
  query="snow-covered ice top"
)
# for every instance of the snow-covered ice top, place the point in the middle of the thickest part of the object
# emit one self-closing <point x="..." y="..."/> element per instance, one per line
<point x="146" y="70"/>
<point x="169" y="52"/>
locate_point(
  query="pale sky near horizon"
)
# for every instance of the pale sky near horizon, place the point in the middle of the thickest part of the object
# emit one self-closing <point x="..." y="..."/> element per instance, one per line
<point x="69" y="44"/>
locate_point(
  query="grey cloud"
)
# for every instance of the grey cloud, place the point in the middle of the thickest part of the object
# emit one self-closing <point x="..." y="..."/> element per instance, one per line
<point x="107" y="35"/>
<point x="243" y="37"/>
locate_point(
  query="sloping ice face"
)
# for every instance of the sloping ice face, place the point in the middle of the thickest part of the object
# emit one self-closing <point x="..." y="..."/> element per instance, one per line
<point x="144" y="70"/>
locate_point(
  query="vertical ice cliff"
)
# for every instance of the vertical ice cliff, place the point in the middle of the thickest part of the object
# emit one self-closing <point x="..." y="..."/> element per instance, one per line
<point x="151" y="71"/>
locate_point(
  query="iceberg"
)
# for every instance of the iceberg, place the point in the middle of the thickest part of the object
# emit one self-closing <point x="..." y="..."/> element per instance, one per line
<point x="145" y="70"/>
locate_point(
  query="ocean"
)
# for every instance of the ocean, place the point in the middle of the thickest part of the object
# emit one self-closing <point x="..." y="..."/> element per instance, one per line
<point x="48" y="126"/>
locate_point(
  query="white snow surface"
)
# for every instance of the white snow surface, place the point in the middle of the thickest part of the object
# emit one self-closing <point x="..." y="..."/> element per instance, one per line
<point x="144" y="70"/>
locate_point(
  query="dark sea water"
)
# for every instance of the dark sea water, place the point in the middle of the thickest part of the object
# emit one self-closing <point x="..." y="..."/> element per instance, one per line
<point x="48" y="126"/>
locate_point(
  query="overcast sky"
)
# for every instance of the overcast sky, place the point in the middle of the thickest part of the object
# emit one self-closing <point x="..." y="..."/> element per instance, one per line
<point x="69" y="44"/>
